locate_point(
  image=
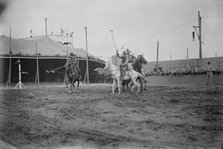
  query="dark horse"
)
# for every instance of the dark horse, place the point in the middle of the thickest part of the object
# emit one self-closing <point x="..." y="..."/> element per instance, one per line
<point x="72" y="74"/>
<point x="137" y="66"/>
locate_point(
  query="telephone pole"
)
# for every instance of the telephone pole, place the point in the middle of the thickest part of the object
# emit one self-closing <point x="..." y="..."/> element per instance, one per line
<point x="187" y="54"/>
<point x="199" y="37"/>
<point x="200" y="42"/>
<point x="46" y="26"/>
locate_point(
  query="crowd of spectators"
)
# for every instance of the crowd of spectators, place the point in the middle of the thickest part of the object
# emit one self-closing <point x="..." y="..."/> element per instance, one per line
<point x="182" y="72"/>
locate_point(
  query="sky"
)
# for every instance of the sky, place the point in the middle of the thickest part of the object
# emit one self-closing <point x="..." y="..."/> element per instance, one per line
<point x="136" y="24"/>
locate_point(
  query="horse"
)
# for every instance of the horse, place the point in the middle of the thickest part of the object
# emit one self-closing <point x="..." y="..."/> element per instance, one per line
<point x="137" y="66"/>
<point x="116" y="73"/>
<point x="72" y="75"/>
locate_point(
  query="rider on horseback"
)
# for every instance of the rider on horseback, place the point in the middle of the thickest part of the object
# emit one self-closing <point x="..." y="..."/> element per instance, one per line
<point x="124" y="63"/>
<point x="70" y="60"/>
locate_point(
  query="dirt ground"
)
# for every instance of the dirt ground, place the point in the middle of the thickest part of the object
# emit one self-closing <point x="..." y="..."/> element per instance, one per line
<point x="161" y="117"/>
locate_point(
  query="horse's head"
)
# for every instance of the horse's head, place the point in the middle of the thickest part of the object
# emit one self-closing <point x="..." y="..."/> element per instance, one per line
<point x="73" y="61"/>
<point x="141" y="59"/>
<point x="107" y="65"/>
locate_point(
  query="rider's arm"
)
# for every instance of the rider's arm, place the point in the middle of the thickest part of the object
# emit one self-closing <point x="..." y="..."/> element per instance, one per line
<point x="118" y="55"/>
<point x="67" y="63"/>
<point x="126" y="61"/>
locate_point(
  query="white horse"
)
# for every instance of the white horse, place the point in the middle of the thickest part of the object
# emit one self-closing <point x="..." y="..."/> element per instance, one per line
<point x="116" y="73"/>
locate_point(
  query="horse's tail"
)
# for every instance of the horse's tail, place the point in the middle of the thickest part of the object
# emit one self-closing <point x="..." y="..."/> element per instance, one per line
<point x="142" y="77"/>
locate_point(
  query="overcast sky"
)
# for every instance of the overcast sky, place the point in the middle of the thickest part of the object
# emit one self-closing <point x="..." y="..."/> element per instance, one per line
<point x="137" y="24"/>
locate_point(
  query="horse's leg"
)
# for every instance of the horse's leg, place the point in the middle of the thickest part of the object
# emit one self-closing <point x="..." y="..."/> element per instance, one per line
<point x="138" y="86"/>
<point x="70" y="89"/>
<point x="67" y="85"/>
<point x="144" y="88"/>
<point x="78" y="82"/>
<point x="113" y="86"/>
<point x="144" y="80"/>
<point x="119" y="88"/>
<point x="134" y="84"/>
<point x="141" y="85"/>
<point x="66" y="80"/>
<point x="123" y="87"/>
<point x="72" y="85"/>
<point x="75" y="83"/>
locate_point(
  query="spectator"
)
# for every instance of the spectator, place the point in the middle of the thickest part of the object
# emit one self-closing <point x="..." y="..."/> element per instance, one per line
<point x="209" y="70"/>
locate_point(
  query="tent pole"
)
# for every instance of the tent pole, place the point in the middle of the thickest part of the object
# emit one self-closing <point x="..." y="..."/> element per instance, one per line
<point x="37" y="68"/>
<point x="87" y="64"/>
<point x="10" y="61"/>
<point x="65" y="75"/>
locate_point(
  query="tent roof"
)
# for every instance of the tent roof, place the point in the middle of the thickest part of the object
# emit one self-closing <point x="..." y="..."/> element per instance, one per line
<point x="45" y="46"/>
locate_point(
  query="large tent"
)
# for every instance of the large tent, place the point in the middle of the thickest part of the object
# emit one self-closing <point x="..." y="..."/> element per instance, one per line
<point x="51" y="55"/>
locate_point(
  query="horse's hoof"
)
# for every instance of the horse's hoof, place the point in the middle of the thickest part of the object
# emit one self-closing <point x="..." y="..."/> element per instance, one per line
<point x="69" y="91"/>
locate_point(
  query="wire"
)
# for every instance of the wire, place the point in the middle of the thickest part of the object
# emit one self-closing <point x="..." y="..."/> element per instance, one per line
<point x="212" y="17"/>
<point x="162" y="32"/>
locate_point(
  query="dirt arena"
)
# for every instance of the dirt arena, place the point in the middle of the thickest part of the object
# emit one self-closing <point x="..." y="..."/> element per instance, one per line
<point x="162" y="117"/>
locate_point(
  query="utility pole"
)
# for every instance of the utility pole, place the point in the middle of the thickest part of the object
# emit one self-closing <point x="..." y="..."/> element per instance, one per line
<point x="46" y="26"/>
<point x="31" y="34"/>
<point x="216" y="60"/>
<point x="187" y="64"/>
<point x="87" y="65"/>
<point x="10" y="60"/>
<point x="199" y="37"/>
<point x="200" y="42"/>
<point x="157" y="55"/>
<point x="187" y="54"/>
